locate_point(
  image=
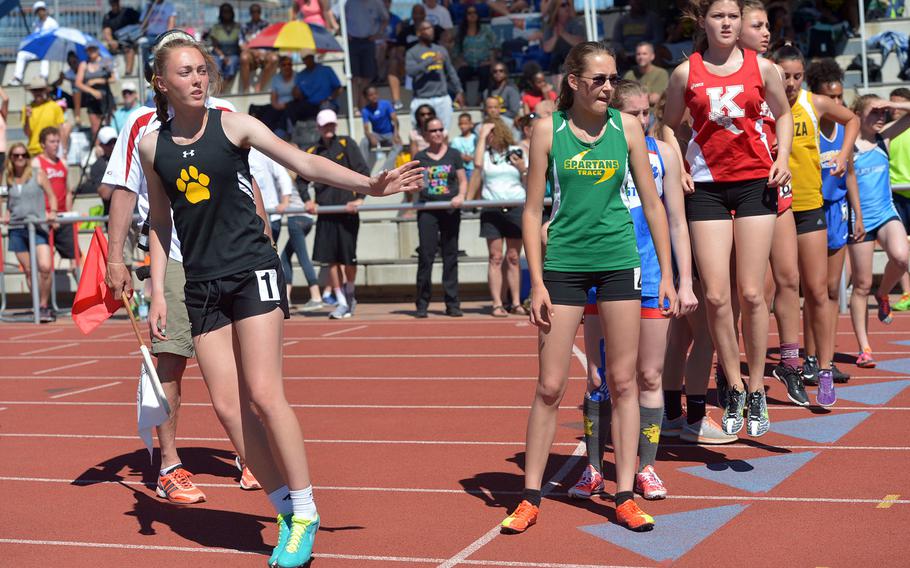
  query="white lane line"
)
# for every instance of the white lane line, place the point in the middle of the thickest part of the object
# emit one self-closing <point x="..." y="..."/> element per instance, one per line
<point x="2" y="408"/>
<point x="580" y="356"/>
<point x="52" y="369"/>
<point x="51" y="348"/>
<point x="462" y="491"/>
<point x="287" y="378"/>
<point x="118" y="336"/>
<point x="451" y="442"/>
<point x="324" y="356"/>
<point x="461" y="556"/>
<point x="88" y="389"/>
<point x="351" y="557"/>
<point x="340" y="331"/>
<point x="289" y="343"/>
<point x="521" y="407"/>
<point x="38" y="333"/>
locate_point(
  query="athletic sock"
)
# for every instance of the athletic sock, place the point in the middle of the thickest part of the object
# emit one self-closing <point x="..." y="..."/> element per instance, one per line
<point x="166" y="470"/>
<point x="695" y="407"/>
<point x="302" y="501"/>
<point x="349" y="291"/>
<point x="673" y="404"/>
<point x="648" y="435"/>
<point x="532" y="496"/>
<point x="789" y="354"/>
<point x="597" y="425"/>
<point x="339" y="295"/>
<point x="281" y="500"/>
<point x="623" y="496"/>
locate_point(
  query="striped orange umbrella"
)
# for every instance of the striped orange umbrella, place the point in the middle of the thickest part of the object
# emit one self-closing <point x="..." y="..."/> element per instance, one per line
<point x="296" y="36"/>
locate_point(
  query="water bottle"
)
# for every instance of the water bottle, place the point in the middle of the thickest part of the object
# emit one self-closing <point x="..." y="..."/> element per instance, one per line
<point x="143" y="305"/>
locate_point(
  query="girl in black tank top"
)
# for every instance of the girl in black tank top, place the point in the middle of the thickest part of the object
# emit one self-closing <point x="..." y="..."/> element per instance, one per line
<point x="196" y="165"/>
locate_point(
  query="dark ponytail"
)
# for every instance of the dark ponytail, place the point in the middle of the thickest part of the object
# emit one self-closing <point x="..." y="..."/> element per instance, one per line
<point x="575" y="64"/>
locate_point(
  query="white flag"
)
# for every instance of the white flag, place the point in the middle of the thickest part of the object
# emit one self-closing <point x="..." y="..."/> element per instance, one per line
<point x="151" y="405"/>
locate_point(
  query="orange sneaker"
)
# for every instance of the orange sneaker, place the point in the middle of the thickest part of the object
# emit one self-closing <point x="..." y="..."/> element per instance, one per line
<point x="176" y="487"/>
<point x="633" y="518"/>
<point x="521" y="518"/>
<point x="247" y="480"/>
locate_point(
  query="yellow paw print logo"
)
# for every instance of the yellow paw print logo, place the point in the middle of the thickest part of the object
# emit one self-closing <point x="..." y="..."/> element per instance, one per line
<point x="194" y="184"/>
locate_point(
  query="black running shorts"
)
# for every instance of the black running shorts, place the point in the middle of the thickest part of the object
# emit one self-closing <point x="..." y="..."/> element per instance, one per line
<point x="571" y="288"/>
<point x="811" y="220"/>
<point x="713" y="201"/>
<point x="336" y="239"/>
<point x="213" y="304"/>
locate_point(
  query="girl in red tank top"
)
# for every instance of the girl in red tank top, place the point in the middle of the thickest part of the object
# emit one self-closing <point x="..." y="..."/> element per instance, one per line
<point x="730" y="160"/>
<point x="782" y="281"/>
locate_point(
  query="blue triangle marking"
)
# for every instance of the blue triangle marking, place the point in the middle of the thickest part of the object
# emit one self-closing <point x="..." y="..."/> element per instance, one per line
<point x="901" y="365"/>
<point x="823" y="429"/>
<point x="901" y="342"/>
<point x="877" y="393"/>
<point x="758" y="475"/>
<point x="673" y="536"/>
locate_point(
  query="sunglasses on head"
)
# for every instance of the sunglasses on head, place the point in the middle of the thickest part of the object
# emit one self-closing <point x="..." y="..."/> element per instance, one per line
<point x="601" y="80"/>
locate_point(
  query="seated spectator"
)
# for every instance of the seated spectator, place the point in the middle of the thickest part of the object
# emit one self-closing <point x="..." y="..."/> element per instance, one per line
<point x="422" y="115"/>
<point x="679" y="31"/>
<point x="458" y="9"/>
<point x="43" y="23"/>
<point x="41" y="113"/>
<point x="93" y="79"/>
<point x="276" y="114"/>
<point x="316" y="12"/>
<point x="637" y="25"/>
<point x="73" y="98"/>
<point x="492" y="111"/>
<point x="157" y="17"/>
<point x="25" y="201"/>
<point x="107" y="136"/>
<point x="501" y="88"/>
<point x="252" y="59"/>
<point x="437" y="229"/>
<point x="562" y="30"/>
<point x="434" y="77"/>
<point x="538" y="89"/>
<point x="652" y="78"/>
<point x="224" y="38"/>
<point x="500" y="173"/>
<point x="474" y="50"/>
<point x="315" y="88"/>
<point x="438" y="15"/>
<point x="506" y="7"/>
<point x="130" y="103"/>
<point x="466" y="142"/>
<point x="380" y="126"/>
<point x="115" y="20"/>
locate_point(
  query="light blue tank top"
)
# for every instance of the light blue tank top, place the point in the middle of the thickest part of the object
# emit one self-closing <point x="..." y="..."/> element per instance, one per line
<point x="650" y="267"/>
<point x="874" y="182"/>
<point x="833" y="188"/>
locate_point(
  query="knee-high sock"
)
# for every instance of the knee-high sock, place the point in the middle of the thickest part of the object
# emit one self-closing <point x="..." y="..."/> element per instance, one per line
<point x="648" y="435"/>
<point x="597" y="430"/>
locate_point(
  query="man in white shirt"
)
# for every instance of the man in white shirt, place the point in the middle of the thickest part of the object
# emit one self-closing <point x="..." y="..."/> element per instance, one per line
<point x="275" y="184"/>
<point x="43" y="23"/>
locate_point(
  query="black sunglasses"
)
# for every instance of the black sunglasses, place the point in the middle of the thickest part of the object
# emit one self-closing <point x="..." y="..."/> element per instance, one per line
<point x="601" y="80"/>
<point x="436" y="130"/>
<point x="18" y="156"/>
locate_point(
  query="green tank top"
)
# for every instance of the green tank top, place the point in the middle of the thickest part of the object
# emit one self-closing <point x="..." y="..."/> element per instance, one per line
<point x="590" y="229"/>
<point x="899" y="154"/>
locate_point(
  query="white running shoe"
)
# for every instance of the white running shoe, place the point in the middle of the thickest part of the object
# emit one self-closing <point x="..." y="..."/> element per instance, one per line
<point x="673" y="428"/>
<point x="706" y="431"/>
<point x="591" y="482"/>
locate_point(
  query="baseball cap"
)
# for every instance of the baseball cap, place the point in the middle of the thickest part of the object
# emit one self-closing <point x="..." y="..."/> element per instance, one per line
<point x="39" y="5"/>
<point x="128" y="86"/>
<point x="106" y="135"/>
<point x="326" y="116"/>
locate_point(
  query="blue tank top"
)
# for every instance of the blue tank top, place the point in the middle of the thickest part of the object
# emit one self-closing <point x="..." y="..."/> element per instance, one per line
<point x="650" y="267"/>
<point x="874" y="183"/>
<point x="833" y="188"/>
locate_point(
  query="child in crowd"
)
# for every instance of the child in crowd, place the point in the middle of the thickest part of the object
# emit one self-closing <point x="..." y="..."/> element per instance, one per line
<point x="466" y="143"/>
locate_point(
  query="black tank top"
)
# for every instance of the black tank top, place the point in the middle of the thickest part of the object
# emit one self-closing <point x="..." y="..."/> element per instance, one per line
<point x="209" y="185"/>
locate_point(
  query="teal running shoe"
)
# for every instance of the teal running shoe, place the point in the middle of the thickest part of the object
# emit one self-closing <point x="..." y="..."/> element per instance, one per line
<point x="299" y="547"/>
<point x="284" y="529"/>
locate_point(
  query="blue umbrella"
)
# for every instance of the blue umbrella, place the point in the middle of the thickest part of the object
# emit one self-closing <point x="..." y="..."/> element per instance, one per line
<point x="55" y="44"/>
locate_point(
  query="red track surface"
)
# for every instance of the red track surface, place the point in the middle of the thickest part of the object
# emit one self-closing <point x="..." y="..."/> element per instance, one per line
<point x="415" y="434"/>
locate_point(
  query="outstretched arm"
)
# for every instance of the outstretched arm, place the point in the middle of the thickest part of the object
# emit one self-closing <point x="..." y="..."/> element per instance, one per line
<point x="246" y="132"/>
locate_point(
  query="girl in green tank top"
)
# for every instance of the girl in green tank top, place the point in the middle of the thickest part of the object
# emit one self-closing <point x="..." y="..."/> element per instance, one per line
<point x="585" y="152"/>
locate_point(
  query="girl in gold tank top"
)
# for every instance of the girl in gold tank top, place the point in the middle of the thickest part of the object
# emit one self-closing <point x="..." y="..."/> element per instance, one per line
<point x="811" y="228"/>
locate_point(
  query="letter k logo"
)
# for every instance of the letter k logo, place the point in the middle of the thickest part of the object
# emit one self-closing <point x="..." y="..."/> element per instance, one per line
<point x="723" y="108"/>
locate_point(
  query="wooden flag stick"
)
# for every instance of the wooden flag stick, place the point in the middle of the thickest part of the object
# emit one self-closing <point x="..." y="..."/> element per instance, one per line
<point x="126" y="304"/>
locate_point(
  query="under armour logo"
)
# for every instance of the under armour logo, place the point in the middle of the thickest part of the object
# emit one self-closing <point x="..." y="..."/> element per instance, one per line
<point x="188" y="153"/>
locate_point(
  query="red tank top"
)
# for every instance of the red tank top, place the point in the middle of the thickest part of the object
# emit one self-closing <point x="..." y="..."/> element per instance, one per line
<point x="56" y="175"/>
<point x="728" y="141"/>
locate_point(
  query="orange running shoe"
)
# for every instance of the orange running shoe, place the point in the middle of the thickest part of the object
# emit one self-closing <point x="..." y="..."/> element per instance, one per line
<point x="247" y="480"/>
<point x="633" y="518"/>
<point x="521" y="519"/>
<point x="176" y="487"/>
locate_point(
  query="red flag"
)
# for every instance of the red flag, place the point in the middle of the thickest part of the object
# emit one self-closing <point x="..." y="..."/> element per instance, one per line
<point x="94" y="301"/>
